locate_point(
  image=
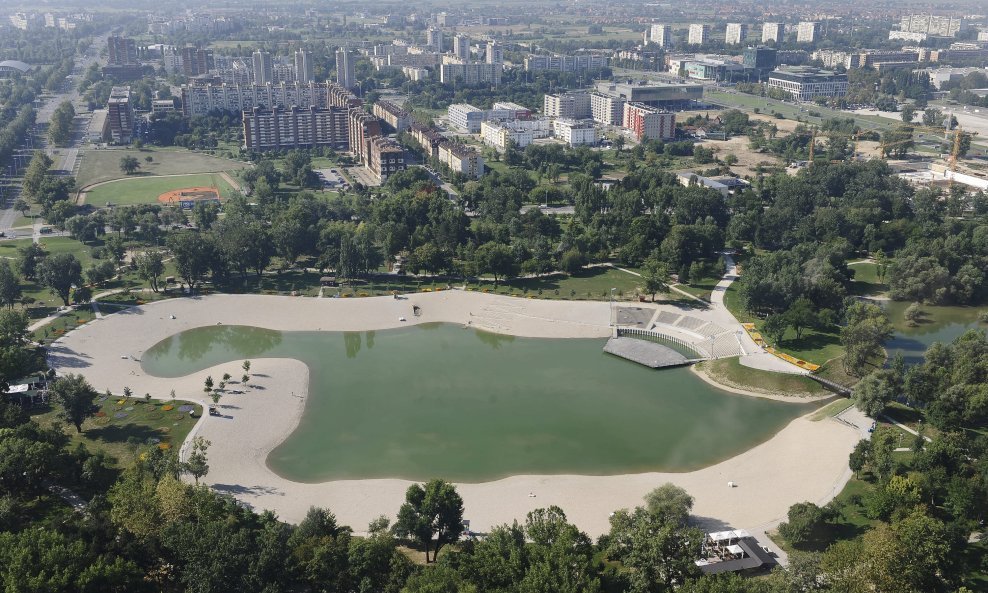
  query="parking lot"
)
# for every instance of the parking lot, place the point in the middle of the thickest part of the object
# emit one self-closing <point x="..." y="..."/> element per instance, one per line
<point x="332" y="179"/>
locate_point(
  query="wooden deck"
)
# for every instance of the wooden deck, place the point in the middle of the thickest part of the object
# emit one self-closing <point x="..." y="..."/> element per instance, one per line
<point x="646" y="353"/>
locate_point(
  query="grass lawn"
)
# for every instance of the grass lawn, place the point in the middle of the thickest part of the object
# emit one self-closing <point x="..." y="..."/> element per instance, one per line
<point x="832" y="409"/>
<point x="142" y="423"/>
<point x="137" y="190"/>
<point x="588" y="284"/>
<point x="866" y="281"/>
<point x="732" y="373"/>
<point x="104" y="165"/>
<point x="702" y="287"/>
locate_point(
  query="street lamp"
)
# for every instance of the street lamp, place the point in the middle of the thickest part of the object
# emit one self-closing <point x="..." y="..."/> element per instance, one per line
<point x="611" y="306"/>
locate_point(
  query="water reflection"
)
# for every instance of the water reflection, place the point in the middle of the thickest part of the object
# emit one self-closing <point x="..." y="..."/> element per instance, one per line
<point x="370" y="339"/>
<point x="351" y="340"/>
<point x="493" y="340"/>
<point x="244" y="341"/>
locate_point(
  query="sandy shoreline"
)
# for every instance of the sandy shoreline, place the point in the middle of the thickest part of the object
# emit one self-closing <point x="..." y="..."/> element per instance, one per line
<point x="804" y="461"/>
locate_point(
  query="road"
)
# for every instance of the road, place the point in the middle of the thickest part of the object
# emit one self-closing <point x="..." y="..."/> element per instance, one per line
<point x="66" y="159"/>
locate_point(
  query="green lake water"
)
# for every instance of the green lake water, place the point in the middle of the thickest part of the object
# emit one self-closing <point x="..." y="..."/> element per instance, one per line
<point x="939" y="324"/>
<point x="442" y="401"/>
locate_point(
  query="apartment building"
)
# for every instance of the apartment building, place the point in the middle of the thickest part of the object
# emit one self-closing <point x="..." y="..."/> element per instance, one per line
<point x="385" y="157"/>
<point x="494" y="53"/>
<point x="120" y="114"/>
<point x="281" y="128"/>
<point x="340" y="96"/>
<point x="561" y="63"/>
<point x="428" y="138"/>
<point x="395" y="117"/>
<point x="661" y="35"/>
<point x="201" y="99"/>
<point x="773" y="32"/>
<point x="805" y="84"/>
<point x="461" y="47"/>
<point x="930" y="24"/>
<point x="434" y="39"/>
<point x="304" y="67"/>
<point x="698" y="34"/>
<point x="501" y="134"/>
<point x="575" y="132"/>
<point x="736" y="33"/>
<point x="197" y="61"/>
<point x="262" y="67"/>
<point x="567" y="105"/>
<point x="649" y="123"/>
<point x="466" y="117"/>
<point x="509" y="111"/>
<point x="807" y="32"/>
<point x="345" y="76"/>
<point x="462" y="159"/>
<point x="474" y="73"/>
<point x="121" y="51"/>
<point x="362" y="127"/>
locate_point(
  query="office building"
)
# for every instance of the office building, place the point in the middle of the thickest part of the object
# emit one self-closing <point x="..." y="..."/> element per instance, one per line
<point x="567" y="106"/>
<point x="736" y="33"/>
<point x="938" y="26"/>
<point x="279" y="128"/>
<point x="565" y="63"/>
<point x="262" y="67"/>
<point x="120" y="114"/>
<point x="121" y="51"/>
<point x="669" y="96"/>
<point x="507" y="110"/>
<point x="461" y="159"/>
<point x="773" y="32"/>
<point x="344" y="68"/>
<point x="461" y="47"/>
<point x="805" y="84"/>
<point x="434" y="39"/>
<point x="607" y="109"/>
<point x="649" y="123"/>
<point x="575" y="132"/>
<point x="466" y="117"/>
<point x="397" y="119"/>
<point x="495" y="55"/>
<point x="661" y="35"/>
<point x="385" y="157"/>
<point x="759" y="58"/>
<point x="475" y="73"/>
<point x="807" y="32"/>
<point x="698" y="34"/>
<point x="197" y="61"/>
<point x="303" y="66"/>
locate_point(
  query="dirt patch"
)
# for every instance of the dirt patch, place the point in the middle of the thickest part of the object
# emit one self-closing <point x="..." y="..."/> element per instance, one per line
<point x="188" y="196"/>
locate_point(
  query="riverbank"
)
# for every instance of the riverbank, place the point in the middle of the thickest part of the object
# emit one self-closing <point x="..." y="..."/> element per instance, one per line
<point x="777" y="386"/>
<point x="804" y="461"/>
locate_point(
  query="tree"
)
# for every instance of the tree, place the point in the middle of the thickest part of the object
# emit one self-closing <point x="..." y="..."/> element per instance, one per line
<point x="150" y="266"/>
<point x="497" y="259"/>
<point x="805" y="523"/>
<point x="801" y="315"/>
<point x="196" y="464"/>
<point x="659" y="553"/>
<point x="866" y="330"/>
<point x="208" y="384"/>
<point x="897" y="141"/>
<point x="670" y="502"/>
<point x="129" y="165"/>
<point x="907" y="112"/>
<point x="21" y="205"/>
<point x="31" y="257"/>
<point x="59" y="272"/>
<point x="10" y="285"/>
<point x="775" y="327"/>
<point x="193" y="256"/>
<point x="655" y="277"/>
<point x="75" y="396"/>
<point x="434" y="511"/>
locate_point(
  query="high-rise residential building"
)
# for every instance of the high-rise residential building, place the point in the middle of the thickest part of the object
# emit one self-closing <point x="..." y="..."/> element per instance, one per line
<point x="940" y="26"/>
<point x="434" y="39"/>
<point x="303" y="66"/>
<point x="362" y="128"/>
<point x="461" y="47"/>
<point x="494" y="53"/>
<point x="773" y="32"/>
<point x="649" y="123"/>
<point x="122" y="51"/>
<point x="661" y="35"/>
<point x="699" y="34"/>
<point x="120" y="114"/>
<point x="736" y="33"/>
<point x="475" y="73"/>
<point x="607" y="109"/>
<point x="567" y="106"/>
<point x="807" y="32"/>
<point x="279" y="128"/>
<point x="344" y="68"/>
<point x="263" y="69"/>
<point x="196" y="61"/>
<point x="566" y="63"/>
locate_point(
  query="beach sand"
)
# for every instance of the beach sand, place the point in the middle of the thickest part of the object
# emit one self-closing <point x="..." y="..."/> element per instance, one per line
<point x="805" y="461"/>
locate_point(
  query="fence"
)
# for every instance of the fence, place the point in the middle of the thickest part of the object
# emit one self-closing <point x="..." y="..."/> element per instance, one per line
<point x="647" y="333"/>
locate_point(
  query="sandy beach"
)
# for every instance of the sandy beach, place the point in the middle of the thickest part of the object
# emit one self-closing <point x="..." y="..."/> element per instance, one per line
<point x="806" y="461"/>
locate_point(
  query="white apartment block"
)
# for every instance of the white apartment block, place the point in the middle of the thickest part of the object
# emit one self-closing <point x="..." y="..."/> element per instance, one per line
<point x="699" y="34"/>
<point x="607" y="109"/>
<point x="522" y="133"/>
<point x="736" y="33"/>
<point x="414" y="73"/>
<point x="661" y="35"/>
<point x="773" y="32"/>
<point x="941" y="26"/>
<point x="475" y="73"/>
<point x="567" y="105"/>
<point x="466" y="117"/>
<point x="575" y="132"/>
<point x="807" y="32"/>
<point x="200" y="100"/>
<point x="462" y="159"/>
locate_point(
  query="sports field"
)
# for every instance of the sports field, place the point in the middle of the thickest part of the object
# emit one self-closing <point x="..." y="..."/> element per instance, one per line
<point x="104" y="165"/>
<point x="145" y="190"/>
